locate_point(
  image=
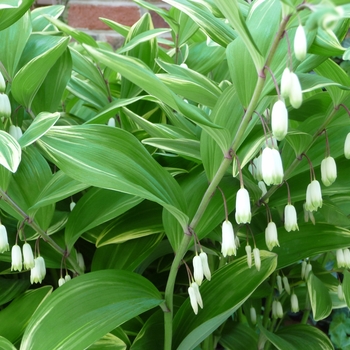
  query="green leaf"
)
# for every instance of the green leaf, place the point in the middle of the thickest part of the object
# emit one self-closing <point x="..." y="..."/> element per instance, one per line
<point x="39" y="22"/>
<point x="5" y="344"/>
<point x="94" y="208"/>
<point x="15" y="317"/>
<point x="188" y="149"/>
<point x="9" y="289"/>
<point x="232" y="12"/>
<point x="320" y="299"/>
<point x="220" y="299"/>
<point x="41" y="124"/>
<point x="277" y="341"/>
<point x="10" y="14"/>
<point x="10" y="152"/>
<point x="299" y="141"/>
<point x="238" y="336"/>
<point x="79" y="36"/>
<point x="346" y="286"/>
<point x="305" y="336"/>
<point x="339" y="330"/>
<point x="12" y="42"/>
<point x="60" y="186"/>
<point x="83" y="153"/>
<point x="119" y="28"/>
<point x="109" y="341"/>
<point x="126" y="256"/>
<point x="28" y="80"/>
<point x="86" y="308"/>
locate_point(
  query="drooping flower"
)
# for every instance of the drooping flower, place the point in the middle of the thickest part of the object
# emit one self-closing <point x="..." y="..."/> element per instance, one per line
<point x="195" y="297"/>
<point x="72" y="204"/>
<point x="257" y="260"/>
<point x="2" y="83"/>
<point x="61" y="282"/>
<point x="38" y="272"/>
<point x="295" y="93"/>
<point x="111" y="122"/>
<point x="341" y="295"/>
<point x="205" y="265"/>
<point x="290" y="218"/>
<point x="228" y="246"/>
<point x="248" y="250"/>
<point x="308" y="269"/>
<point x="279" y="120"/>
<point x="286" y="284"/>
<point x="5" y="106"/>
<point x="347" y="146"/>
<point x="340" y="258"/>
<point x="346" y="253"/>
<point x="4" y="243"/>
<point x="67" y="277"/>
<point x="253" y="315"/>
<point x="15" y="132"/>
<point x="279" y="310"/>
<point x="328" y="171"/>
<point x="303" y="269"/>
<point x="80" y="260"/>
<point x="197" y="270"/>
<point x="16" y="258"/>
<point x="285" y="83"/>
<point x="294" y="303"/>
<point x="279" y="284"/>
<point x="271" y="165"/>
<point x="313" y="196"/>
<point x="28" y="257"/>
<point x="300" y="43"/>
<point x="271" y="237"/>
<point x="243" y="213"/>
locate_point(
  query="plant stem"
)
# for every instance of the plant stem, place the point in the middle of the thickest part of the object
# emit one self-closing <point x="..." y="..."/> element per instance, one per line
<point x="269" y="300"/>
<point x="239" y="137"/>
<point x="39" y="230"/>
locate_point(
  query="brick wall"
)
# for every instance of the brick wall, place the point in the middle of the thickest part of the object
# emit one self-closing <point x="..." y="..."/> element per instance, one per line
<point x="84" y="15"/>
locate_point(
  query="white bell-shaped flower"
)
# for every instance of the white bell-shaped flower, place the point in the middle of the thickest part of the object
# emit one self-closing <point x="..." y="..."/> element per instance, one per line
<point x="38" y="272"/>
<point x="61" y="282"/>
<point x="313" y="196"/>
<point x="197" y="270"/>
<point x="111" y="122"/>
<point x="347" y="146"/>
<point x="340" y="258"/>
<point x="341" y="295"/>
<point x="195" y="297"/>
<point x="4" y="243"/>
<point x="279" y="284"/>
<point x="205" y="265"/>
<point x="328" y="171"/>
<point x="228" y="246"/>
<point x="285" y="83"/>
<point x="295" y="93"/>
<point x="248" y="250"/>
<point x="28" y="257"/>
<point x="243" y="213"/>
<point x="279" y="309"/>
<point x="279" y="120"/>
<point x="346" y="253"/>
<point x="300" y="43"/>
<point x="271" y="165"/>
<point x="294" y="303"/>
<point x="5" y="106"/>
<point x="286" y="284"/>
<point x="67" y="277"/>
<point x="16" y="258"/>
<point x="303" y="269"/>
<point x="271" y="237"/>
<point x="2" y="84"/>
<point x="72" y="205"/>
<point x="253" y="315"/>
<point x="15" y="132"/>
<point x="290" y="218"/>
<point x="257" y="260"/>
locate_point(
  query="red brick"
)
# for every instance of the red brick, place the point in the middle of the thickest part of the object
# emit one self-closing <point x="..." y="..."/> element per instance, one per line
<point x="158" y="22"/>
<point x="87" y="16"/>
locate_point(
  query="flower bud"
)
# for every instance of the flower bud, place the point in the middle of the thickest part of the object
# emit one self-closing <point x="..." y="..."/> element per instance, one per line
<point x="340" y="258"/>
<point x="300" y="43"/>
<point x="253" y="315"/>
<point x="286" y="284"/>
<point x="279" y="284"/>
<point x="308" y="269"/>
<point x="295" y="94"/>
<point x="256" y="253"/>
<point x="328" y="171"/>
<point x="38" y="272"/>
<point x="72" y="205"/>
<point x="2" y="84"/>
<point x="67" y="277"/>
<point x="197" y="270"/>
<point x="271" y="164"/>
<point x="303" y="269"/>
<point x="347" y="146"/>
<point x="294" y="303"/>
<point x="341" y="295"/>
<point x="228" y="246"/>
<point x="274" y="309"/>
<point x="80" y="260"/>
<point x="28" y="257"/>
<point x="4" y="243"/>
<point x="243" y="214"/>
<point x="271" y="237"/>
<point x="279" y="310"/>
<point x="61" y="282"/>
<point x="5" y="106"/>
<point x="262" y="186"/>
<point x="290" y="218"/>
<point x="255" y="168"/>
<point x="15" y="132"/>
<point x="16" y="258"/>
<point x="313" y="196"/>
<point x="111" y="122"/>
<point x="279" y="120"/>
<point x="205" y="265"/>
<point x="195" y="297"/>
<point x="248" y="250"/>
<point x="285" y="83"/>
